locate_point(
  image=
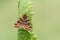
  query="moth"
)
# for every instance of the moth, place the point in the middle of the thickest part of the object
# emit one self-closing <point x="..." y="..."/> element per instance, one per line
<point x="23" y="22"/>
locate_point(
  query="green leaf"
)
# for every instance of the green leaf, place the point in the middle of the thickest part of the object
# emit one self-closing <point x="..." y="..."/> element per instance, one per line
<point x="25" y="7"/>
<point x="23" y="34"/>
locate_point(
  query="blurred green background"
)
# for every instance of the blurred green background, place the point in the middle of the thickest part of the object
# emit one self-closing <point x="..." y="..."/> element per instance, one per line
<point x="46" y="19"/>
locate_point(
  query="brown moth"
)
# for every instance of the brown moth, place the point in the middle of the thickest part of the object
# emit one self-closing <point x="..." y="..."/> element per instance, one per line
<point x="23" y="22"/>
